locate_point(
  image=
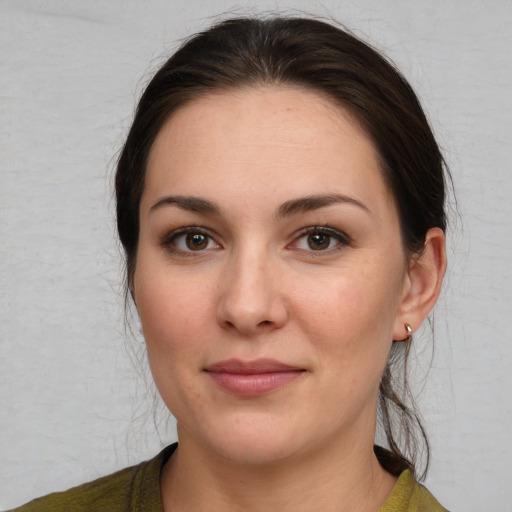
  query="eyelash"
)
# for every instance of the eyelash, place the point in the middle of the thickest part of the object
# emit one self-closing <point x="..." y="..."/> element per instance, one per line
<point x="342" y="239"/>
<point x="169" y="241"/>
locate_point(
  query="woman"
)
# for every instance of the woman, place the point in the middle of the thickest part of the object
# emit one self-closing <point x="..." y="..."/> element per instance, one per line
<point x="280" y="201"/>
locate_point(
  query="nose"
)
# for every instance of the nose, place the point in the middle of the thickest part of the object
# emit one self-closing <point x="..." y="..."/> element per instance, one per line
<point x="252" y="300"/>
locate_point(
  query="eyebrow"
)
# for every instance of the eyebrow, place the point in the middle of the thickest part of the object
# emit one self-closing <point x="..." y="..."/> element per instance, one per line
<point x="189" y="203"/>
<point x="315" y="202"/>
<point x="300" y="205"/>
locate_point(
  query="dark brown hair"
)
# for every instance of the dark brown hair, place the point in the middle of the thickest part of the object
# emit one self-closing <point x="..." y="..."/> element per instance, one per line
<point x="310" y="54"/>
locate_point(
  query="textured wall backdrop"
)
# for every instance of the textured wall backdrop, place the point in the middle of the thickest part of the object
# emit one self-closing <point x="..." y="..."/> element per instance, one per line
<point x="72" y="406"/>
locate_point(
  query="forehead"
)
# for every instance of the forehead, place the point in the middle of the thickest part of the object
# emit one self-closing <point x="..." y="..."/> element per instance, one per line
<point x="287" y="139"/>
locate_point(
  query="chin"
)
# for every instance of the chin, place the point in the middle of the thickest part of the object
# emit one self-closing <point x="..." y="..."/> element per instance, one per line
<point x="261" y="452"/>
<point x="251" y="441"/>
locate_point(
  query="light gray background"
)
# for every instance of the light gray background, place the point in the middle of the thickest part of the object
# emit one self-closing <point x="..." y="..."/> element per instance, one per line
<point x="72" y="406"/>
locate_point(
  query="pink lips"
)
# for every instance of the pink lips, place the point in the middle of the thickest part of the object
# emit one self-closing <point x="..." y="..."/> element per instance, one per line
<point x="252" y="378"/>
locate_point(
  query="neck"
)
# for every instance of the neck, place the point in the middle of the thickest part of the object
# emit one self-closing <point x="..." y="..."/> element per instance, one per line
<point x="334" y="478"/>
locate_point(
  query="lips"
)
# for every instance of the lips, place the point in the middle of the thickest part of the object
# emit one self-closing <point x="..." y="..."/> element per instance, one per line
<point x="252" y="378"/>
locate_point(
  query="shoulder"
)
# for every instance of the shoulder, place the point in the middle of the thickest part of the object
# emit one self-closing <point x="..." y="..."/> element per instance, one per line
<point x="409" y="496"/>
<point x="133" y="488"/>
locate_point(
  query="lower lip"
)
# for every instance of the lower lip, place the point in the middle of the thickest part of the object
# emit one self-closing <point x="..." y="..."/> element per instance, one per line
<point x="253" y="384"/>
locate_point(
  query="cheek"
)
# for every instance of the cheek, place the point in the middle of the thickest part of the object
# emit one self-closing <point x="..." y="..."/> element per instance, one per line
<point x="173" y="313"/>
<point x="173" y="321"/>
<point x="350" y="317"/>
<point x="352" y="306"/>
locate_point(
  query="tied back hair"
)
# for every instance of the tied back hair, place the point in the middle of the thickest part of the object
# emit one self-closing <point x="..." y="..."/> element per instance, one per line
<point x="316" y="56"/>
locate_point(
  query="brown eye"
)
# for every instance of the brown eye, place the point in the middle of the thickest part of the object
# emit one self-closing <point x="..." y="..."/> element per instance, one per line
<point x="196" y="241"/>
<point x="318" y="241"/>
<point x="189" y="240"/>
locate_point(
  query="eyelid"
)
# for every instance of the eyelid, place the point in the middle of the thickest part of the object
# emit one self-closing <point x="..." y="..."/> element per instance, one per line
<point x="328" y="230"/>
<point x="167" y="241"/>
<point x="342" y="238"/>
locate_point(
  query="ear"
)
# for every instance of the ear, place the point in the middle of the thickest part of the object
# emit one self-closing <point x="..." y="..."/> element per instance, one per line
<point x="422" y="284"/>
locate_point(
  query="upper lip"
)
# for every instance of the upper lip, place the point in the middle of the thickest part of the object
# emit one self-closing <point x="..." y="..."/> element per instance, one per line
<point x="250" y="367"/>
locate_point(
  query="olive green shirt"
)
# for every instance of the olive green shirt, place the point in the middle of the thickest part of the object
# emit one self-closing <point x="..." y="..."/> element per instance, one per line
<point x="137" y="489"/>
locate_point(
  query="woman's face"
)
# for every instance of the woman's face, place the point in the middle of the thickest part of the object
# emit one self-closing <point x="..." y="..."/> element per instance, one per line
<point x="270" y="274"/>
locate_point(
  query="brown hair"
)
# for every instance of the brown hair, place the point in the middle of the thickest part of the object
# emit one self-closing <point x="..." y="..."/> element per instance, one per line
<point x="310" y="54"/>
